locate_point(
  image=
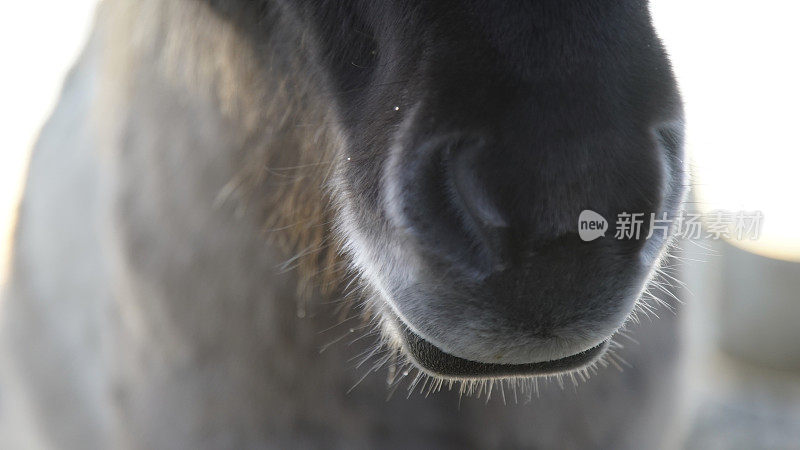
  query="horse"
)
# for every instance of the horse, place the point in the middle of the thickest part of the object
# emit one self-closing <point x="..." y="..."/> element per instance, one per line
<point x="228" y="187"/>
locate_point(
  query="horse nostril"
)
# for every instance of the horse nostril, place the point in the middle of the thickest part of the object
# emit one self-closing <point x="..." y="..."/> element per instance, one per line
<point x="447" y="205"/>
<point x="470" y="191"/>
<point x="479" y="212"/>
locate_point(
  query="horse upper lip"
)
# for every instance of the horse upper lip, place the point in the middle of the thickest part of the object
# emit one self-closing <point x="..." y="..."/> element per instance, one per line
<point x="433" y="360"/>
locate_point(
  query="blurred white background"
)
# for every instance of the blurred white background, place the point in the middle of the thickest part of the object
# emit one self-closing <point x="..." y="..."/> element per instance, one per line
<point x="737" y="66"/>
<point x="39" y="40"/>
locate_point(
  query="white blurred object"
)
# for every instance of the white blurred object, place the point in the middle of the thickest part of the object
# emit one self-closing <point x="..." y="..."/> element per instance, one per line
<point x="39" y="41"/>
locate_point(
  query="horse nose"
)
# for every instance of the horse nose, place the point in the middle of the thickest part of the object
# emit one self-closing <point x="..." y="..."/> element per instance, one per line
<point x="494" y="230"/>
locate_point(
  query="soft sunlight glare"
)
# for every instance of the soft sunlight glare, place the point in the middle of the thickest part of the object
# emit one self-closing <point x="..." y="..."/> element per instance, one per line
<point x="737" y="63"/>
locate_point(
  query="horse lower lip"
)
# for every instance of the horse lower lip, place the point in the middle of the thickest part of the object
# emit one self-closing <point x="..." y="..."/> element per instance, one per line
<point x="439" y="363"/>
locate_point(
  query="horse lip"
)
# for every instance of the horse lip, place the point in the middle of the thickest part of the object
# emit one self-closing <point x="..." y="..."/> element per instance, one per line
<point x="433" y="360"/>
